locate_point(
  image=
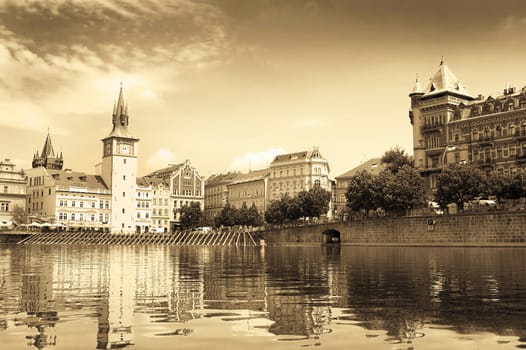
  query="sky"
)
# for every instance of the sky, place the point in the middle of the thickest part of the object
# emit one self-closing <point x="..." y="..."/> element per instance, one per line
<point x="229" y="84"/>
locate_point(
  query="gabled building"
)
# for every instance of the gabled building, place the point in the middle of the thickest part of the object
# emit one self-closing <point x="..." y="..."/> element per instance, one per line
<point x="450" y="125"/>
<point x="295" y="172"/>
<point x="186" y="186"/>
<point x="12" y="189"/>
<point x="47" y="158"/>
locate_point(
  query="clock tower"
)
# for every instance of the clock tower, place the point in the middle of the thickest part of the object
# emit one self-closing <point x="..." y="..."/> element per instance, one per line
<point x="119" y="169"/>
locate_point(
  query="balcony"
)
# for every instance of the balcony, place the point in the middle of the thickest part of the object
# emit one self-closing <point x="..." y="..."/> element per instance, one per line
<point x="485" y="141"/>
<point x="520" y="135"/>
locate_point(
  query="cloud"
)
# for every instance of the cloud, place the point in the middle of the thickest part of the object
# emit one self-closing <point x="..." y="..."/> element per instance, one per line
<point x="512" y="23"/>
<point x="160" y="159"/>
<point x="256" y="160"/>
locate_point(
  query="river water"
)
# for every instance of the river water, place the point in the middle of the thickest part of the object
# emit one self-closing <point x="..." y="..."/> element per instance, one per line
<point x="160" y="297"/>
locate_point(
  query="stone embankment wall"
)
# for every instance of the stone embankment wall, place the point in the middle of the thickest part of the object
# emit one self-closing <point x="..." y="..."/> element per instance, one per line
<point x="478" y="229"/>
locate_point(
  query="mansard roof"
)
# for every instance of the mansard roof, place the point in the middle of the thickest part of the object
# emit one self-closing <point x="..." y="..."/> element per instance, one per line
<point x="444" y="81"/>
<point x="76" y="179"/>
<point x="282" y="158"/>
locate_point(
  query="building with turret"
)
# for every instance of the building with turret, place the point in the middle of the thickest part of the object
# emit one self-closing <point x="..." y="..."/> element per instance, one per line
<point x="119" y="169"/>
<point x="450" y="125"/>
<point x="47" y="157"/>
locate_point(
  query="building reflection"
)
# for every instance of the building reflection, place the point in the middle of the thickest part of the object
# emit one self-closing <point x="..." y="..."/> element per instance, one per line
<point x="115" y="311"/>
<point x="38" y="303"/>
<point x="302" y="291"/>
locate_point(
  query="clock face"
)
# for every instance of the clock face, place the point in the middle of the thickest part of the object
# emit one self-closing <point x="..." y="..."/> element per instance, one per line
<point x="125" y="149"/>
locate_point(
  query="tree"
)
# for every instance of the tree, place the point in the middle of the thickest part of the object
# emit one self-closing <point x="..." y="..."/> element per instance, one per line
<point x="18" y="215"/>
<point x="314" y="202"/>
<point x="362" y="192"/>
<point x="458" y="184"/>
<point x="395" y="159"/>
<point x="191" y="216"/>
<point x="276" y="212"/>
<point x="243" y="215"/>
<point x="254" y="218"/>
<point x="229" y="216"/>
<point x="401" y="190"/>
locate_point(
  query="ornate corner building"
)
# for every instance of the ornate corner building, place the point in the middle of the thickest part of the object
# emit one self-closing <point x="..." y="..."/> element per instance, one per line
<point x="452" y="126"/>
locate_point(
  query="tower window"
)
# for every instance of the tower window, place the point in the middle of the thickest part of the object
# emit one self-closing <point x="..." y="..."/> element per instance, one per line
<point x="123" y="210"/>
<point x="124" y="160"/>
<point x="124" y="194"/>
<point x="124" y="177"/>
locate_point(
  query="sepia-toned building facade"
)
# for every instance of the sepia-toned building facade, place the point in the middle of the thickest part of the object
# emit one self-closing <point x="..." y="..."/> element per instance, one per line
<point x="216" y="193"/>
<point x="12" y="189"/>
<point x="295" y="172"/>
<point x="119" y="169"/>
<point x="452" y="126"/>
<point x="143" y="211"/>
<point x="186" y="186"/>
<point x="71" y="198"/>
<point x="251" y="189"/>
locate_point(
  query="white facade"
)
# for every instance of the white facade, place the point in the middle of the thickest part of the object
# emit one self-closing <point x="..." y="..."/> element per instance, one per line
<point x="119" y="170"/>
<point x="143" y="199"/>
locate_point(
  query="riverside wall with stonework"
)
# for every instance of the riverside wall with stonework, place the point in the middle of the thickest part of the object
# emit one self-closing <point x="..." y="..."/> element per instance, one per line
<point x="476" y="229"/>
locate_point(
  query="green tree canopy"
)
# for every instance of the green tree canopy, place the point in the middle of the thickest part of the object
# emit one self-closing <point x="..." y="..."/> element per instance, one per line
<point x="18" y="215"/>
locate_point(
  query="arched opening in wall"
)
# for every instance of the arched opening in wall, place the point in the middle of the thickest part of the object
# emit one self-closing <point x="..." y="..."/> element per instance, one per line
<point x="331" y="236"/>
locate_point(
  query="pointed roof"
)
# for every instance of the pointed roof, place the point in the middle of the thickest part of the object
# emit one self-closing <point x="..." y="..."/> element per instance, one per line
<point x="120" y="118"/>
<point x="445" y="81"/>
<point x="47" y="150"/>
<point x="417" y="89"/>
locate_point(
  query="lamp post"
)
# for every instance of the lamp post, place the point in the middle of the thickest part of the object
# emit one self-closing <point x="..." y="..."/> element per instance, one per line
<point x="444" y="154"/>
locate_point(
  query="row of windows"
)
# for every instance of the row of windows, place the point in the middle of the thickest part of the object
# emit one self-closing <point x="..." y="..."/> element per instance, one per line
<point x="80" y="204"/>
<point x="143" y="194"/>
<point x="160" y="201"/>
<point x="81" y="217"/>
<point x="160" y="212"/>
<point x="287" y="172"/>
<point x="498" y="152"/>
<point x="143" y="204"/>
<point x="39" y="180"/>
<point x="146" y="215"/>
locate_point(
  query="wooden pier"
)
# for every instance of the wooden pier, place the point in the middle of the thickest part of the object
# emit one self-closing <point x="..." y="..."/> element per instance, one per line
<point x="183" y="238"/>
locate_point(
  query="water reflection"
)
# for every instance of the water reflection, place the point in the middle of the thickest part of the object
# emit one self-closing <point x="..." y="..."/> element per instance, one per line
<point x="116" y="297"/>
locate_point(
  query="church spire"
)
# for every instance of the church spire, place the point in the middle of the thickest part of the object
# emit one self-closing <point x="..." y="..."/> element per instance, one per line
<point x="47" y="157"/>
<point x="120" y="116"/>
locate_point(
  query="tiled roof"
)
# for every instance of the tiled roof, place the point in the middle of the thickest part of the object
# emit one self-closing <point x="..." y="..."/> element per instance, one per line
<point x="373" y="166"/>
<point x="75" y="178"/>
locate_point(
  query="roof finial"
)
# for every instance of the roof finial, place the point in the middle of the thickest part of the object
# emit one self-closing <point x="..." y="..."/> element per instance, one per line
<point x="416" y="78"/>
<point x="442" y="60"/>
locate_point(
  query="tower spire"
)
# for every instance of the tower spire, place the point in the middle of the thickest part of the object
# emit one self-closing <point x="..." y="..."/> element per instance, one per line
<point x="120" y="116"/>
